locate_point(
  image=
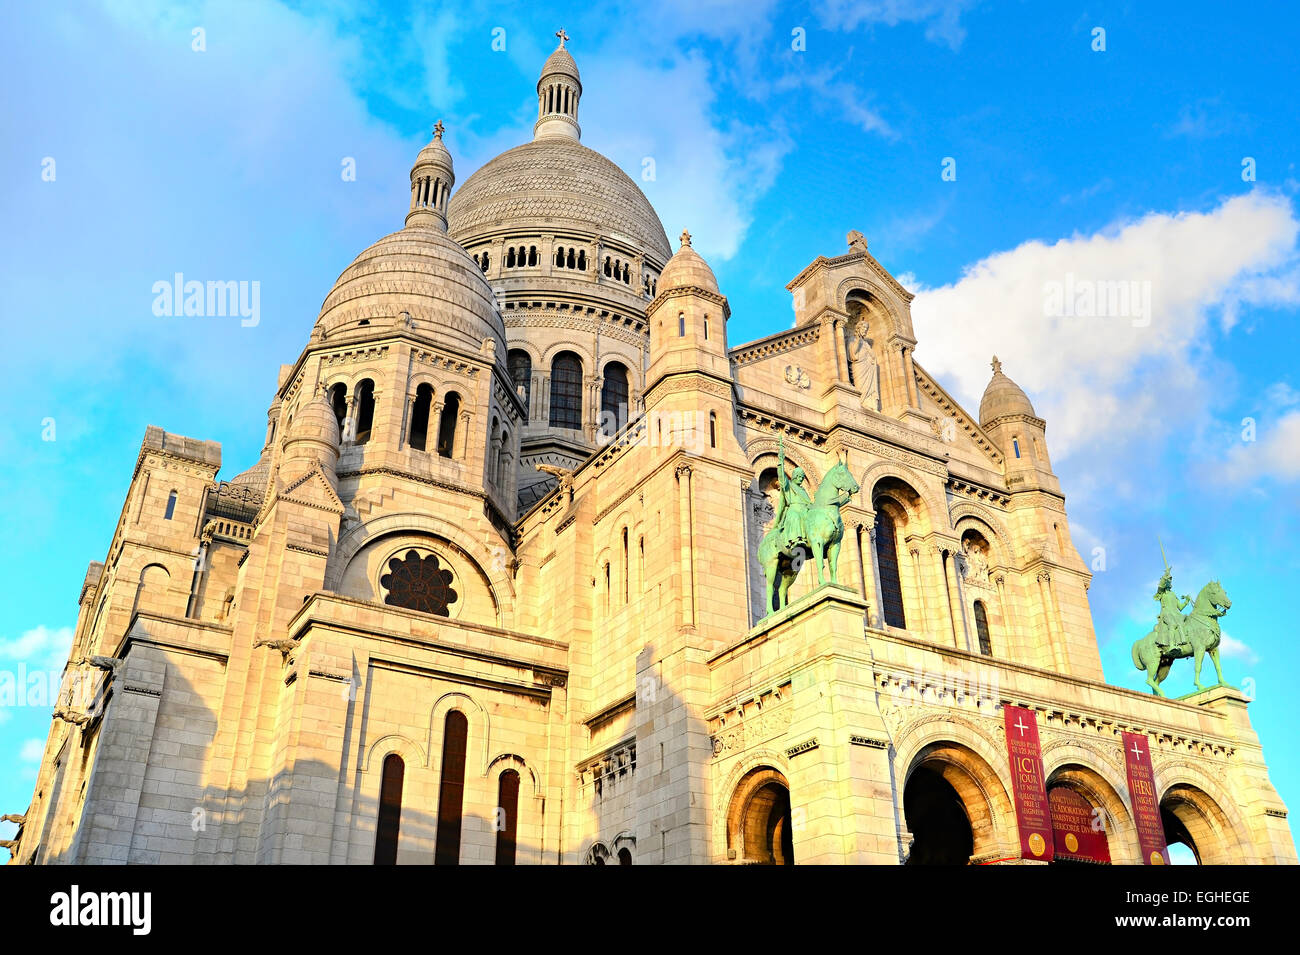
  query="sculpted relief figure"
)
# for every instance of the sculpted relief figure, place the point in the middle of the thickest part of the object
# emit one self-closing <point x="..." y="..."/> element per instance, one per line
<point x="975" y="563"/>
<point x="866" y="370"/>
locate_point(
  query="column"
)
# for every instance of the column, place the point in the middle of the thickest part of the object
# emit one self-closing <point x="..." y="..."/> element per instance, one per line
<point x="945" y="595"/>
<point x="407" y="412"/>
<point x="460" y="444"/>
<point x="871" y="573"/>
<point x="839" y="349"/>
<point x="910" y="370"/>
<point x="958" y="606"/>
<point x="1045" y="601"/>
<point x="919" y="581"/>
<point x="1012" y="637"/>
<point x="349" y="430"/>
<point x="687" y="546"/>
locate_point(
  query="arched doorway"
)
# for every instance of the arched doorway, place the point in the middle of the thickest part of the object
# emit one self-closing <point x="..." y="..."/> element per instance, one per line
<point x="1196" y="826"/>
<point x="936" y="816"/>
<point x="1181" y="845"/>
<point x="953" y="801"/>
<point x="1086" y="804"/>
<point x="759" y="825"/>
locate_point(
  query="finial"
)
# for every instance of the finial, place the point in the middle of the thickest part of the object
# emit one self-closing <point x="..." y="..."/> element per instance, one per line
<point x="686" y="239"/>
<point x="562" y="35"/>
<point x="997" y="366"/>
<point x="437" y="129"/>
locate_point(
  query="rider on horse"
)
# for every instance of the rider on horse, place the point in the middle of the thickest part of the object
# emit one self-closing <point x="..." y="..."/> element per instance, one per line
<point x="792" y="503"/>
<point x="1169" y="628"/>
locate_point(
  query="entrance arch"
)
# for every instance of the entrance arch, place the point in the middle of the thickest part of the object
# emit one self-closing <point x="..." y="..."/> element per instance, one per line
<point x="759" y="828"/>
<point x="936" y="816"/>
<point x="1191" y="817"/>
<point x="1107" y="807"/>
<point x="955" y="808"/>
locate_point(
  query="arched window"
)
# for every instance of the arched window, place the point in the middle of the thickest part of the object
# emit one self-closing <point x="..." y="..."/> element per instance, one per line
<point x="573" y="260"/>
<point x="339" y="401"/>
<point x="532" y="255"/>
<point x="891" y="588"/>
<point x="171" y="506"/>
<point x="566" y="391"/>
<point x="508" y="822"/>
<point x="1015" y="444"/>
<point x="982" y="628"/>
<point x="447" y="425"/>
<point x="510" y="257"/>
<point x="451" y="793"/>
<point x="608" y="271"/>
<point x="681" y="324"/>
<point x="420" y="417"/>
<point x="627" y="570"/>
<point x="706" y="328"/>
<point x="713" y="429"/>
<point x="485" y="261"/>
<point x="624" y="856"/>
<point x="582" y="260"/>
<point x="365" y="410"/>
<point x="614" y="397"/>
<point x="559" y="256"/>
<point x="390" y="810"/>
<point x="520" y="364"/>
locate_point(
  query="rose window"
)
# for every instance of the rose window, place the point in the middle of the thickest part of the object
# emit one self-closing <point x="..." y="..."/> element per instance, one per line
<point x="418" y="583"/>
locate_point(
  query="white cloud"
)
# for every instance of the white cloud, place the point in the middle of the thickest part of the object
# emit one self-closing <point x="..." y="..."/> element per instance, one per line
<point x="1275" y="454"/>
<point x="1117" y="377"/>
<point x="32" y="750"/>
<point x="1235" y="649"/>
<point x="1282" y="395"/>
<point x="942" y="18"/>
<point x="39" y="648"/>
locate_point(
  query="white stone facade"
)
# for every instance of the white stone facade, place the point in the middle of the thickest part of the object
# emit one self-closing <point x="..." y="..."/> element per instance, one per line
<point x="395" y="565"/>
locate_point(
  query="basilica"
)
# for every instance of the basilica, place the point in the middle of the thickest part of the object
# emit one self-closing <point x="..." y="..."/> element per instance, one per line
<point x="492" y="593"/>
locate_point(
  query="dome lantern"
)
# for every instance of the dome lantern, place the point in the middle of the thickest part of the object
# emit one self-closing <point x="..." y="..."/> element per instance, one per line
<point x="558" y="91"/>
<point x="432" y="177"/>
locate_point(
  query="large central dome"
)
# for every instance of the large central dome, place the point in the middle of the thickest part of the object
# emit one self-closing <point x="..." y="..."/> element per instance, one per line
<point x="558" y="183"/>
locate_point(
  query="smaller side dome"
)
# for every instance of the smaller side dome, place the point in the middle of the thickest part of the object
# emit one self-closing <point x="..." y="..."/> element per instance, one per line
<point x="687" y="269"/>
<point x="315" y="421"/>
<point x="1003" y="397"/>
<point x="313" y="435"/>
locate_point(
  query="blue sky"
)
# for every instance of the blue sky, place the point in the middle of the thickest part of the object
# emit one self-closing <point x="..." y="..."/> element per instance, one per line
<point x="1122" y="164"/>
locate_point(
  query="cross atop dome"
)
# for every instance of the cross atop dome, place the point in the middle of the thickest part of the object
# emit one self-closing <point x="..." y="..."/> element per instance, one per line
<point x="686" y="238"/>
<point x="563" y="36"/>
<point x="996" y="365"/>
<point x="438" y="129"/>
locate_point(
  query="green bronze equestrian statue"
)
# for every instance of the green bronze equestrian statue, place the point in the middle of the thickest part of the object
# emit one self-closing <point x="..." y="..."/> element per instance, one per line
<point x="1176" y="636"/>
<point x="802" y="526"/>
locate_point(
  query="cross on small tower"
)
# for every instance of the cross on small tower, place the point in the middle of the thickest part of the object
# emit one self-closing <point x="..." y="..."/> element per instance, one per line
<point x="562" y="35"/>
<point x="437" y="129"/>
<point x="997" y="366"/>
<point x="686" y="238"/>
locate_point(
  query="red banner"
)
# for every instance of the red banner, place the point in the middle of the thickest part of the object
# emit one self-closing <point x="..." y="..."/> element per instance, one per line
<point x="1142" y="794"/>
<point x="1077" y="832"/>
<point x="1027" y="783"/>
